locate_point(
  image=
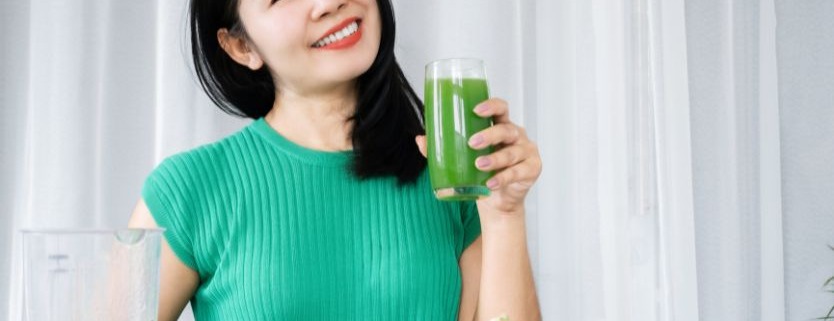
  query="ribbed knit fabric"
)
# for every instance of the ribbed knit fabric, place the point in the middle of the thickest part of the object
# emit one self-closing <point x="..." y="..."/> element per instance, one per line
<point x="277" y="231"/>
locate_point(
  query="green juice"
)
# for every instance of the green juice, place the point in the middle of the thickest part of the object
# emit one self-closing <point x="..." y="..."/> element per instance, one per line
<point x="450" y="122"/>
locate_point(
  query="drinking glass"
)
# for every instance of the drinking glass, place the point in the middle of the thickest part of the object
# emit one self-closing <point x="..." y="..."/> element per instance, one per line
<point x="453" y="88"/>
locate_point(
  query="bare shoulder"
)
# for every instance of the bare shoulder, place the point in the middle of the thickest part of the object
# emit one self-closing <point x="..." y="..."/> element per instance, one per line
<point x="142" y="217"/>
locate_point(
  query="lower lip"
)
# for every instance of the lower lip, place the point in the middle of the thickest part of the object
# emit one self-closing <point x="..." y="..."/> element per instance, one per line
<point x="346" y="42"/>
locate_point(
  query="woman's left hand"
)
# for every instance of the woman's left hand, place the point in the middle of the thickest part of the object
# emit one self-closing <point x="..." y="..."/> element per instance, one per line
<point x="516" y="159"/>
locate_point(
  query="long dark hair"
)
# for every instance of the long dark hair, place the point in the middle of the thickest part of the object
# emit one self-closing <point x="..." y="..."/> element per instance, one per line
<point x="388" y="111"/>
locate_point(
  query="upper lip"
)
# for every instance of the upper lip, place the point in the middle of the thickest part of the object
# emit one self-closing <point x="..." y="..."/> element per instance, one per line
<point x="338" y="27"/>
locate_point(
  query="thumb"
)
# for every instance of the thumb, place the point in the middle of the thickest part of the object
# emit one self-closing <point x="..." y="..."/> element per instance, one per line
<point x="421" y="144"/>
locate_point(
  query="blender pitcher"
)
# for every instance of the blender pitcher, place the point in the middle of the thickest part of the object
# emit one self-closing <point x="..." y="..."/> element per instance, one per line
<point x="91" y="274"/>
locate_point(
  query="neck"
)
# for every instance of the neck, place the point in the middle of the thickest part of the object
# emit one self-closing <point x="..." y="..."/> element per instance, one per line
<point x="316" y="120"/>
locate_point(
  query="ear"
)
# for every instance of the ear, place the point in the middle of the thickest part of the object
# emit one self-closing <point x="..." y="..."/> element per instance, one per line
<point x="239" y="49"/>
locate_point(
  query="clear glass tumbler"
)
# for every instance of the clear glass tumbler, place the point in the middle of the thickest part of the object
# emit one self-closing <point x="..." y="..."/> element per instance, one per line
<point x="91" y="275"/>
<point x="453" y="88"/>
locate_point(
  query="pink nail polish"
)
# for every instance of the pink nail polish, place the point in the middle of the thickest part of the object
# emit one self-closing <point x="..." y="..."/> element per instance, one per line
<point x="492" y="183"/>
<point x="483" y="162"/>
<point x="481" y="108"/>
<point x="476" y="141"/>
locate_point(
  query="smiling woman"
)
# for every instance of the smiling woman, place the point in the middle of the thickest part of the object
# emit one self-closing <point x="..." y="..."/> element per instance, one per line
<point x="280" y="36"/>
<point x="627" y="224"/>
<point x="322" y="208"/>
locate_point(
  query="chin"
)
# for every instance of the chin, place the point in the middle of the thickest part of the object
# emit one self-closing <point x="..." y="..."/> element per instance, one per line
<point x="347" y="71"/>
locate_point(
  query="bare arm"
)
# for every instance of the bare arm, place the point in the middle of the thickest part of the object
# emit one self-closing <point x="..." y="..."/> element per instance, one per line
<point x="507" y="285"/>
<point x="178" y="282"/>
<point x="470" y="271"/>
<point x="496" y="274"/>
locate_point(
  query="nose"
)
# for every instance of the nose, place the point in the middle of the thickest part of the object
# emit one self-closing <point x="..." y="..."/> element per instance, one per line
<point x="323" y="8"/>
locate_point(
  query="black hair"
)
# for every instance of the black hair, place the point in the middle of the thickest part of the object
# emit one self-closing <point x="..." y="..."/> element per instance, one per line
<point x="388" y="111"/>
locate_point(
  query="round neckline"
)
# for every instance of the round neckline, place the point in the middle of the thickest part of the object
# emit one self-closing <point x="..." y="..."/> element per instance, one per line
<point x="266" y="131"/>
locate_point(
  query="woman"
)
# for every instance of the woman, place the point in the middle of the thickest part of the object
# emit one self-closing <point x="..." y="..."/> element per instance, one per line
<point x="321" y="208"/>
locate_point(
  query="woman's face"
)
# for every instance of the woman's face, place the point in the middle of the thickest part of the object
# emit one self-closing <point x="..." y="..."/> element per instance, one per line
<point x="289" y="36"/>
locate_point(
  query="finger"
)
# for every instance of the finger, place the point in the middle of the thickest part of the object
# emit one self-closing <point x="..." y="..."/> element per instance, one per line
<point x="421" y="144"/>
<point x="523" y="173"/>
<point x="506" y="157"/>
<point x="496" y="108"/>
<point x="507" y="134"/>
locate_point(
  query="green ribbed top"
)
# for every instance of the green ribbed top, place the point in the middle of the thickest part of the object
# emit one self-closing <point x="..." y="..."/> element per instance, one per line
<point x="277" y="231"/>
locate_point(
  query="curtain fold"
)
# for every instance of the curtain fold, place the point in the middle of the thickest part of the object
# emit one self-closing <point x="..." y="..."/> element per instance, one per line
<point x="13" y="79"/>
<point x="724" y="50"/>
<point x="770" y="173"/>
<point x="805" y="65"/>
<point x="622" y="211"/>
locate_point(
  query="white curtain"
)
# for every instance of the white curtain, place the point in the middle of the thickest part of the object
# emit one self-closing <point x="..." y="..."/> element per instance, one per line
<point x="687" y="145"/>
<point x="94" y="93"/>
<point x="805" y="52"/>
<point x="762" y="101"/>
<point x="613" y="116"/>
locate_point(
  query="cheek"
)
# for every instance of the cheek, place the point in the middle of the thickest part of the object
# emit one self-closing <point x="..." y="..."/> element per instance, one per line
<point x="377" y="20"/>
<point x="286" y="37"/>
<point x="281" y="46"/>
<point x="373" y="46"/>
<point x="377" y="36"/>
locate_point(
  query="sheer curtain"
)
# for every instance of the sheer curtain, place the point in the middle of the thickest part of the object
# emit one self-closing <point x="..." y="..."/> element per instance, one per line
<point x="687" y="145"/>
<point x="94" y="93"/>
<point x="761" y="78"/>
<point x="612" y="101"/>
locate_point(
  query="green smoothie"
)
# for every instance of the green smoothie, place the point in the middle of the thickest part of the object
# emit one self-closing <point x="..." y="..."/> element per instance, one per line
<point x="450" y="122"/>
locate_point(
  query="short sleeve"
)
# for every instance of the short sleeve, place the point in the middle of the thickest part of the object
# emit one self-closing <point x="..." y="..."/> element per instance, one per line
<point x="471" y="223"/>
<point x="165" y="192"/>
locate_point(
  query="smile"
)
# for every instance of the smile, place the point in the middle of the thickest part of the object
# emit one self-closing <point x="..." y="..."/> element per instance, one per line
<point x="347" y="34"/>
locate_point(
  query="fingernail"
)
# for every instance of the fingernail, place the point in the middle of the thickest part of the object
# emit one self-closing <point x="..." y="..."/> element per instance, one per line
<point x="492" y="183"/>
<point x="480" y="109"/>
<point x="483" y="162"/>
<point x="476" y="140"/>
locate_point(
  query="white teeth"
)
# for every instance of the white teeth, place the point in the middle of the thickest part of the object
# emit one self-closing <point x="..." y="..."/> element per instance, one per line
<point x="338" y="35"/>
